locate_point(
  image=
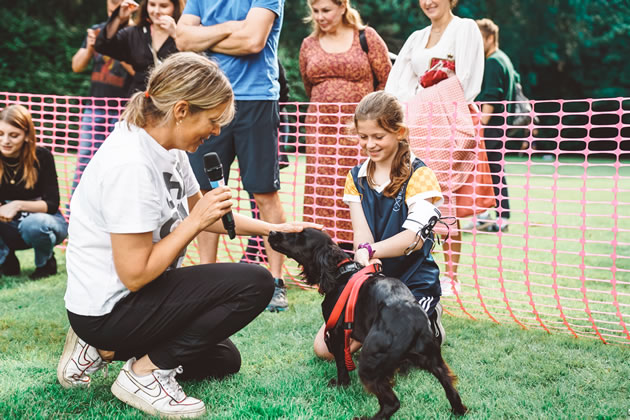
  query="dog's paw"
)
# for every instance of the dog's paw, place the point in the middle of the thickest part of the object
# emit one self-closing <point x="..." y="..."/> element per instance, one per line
<point x="334" y="383"/>
<point x="460" y="411"/>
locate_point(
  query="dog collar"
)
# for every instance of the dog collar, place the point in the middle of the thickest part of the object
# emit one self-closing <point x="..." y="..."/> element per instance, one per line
<point x="346" y="302"/>
<point x="347" y="266"/>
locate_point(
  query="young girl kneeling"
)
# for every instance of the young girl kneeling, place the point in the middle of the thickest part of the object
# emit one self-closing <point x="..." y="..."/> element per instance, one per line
<point x="393" y="198"/>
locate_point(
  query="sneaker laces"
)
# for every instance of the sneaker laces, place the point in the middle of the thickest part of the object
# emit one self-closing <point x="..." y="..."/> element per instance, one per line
<point x="279" y="291"/>
<point x="96" y="365"/>
<point x="103" y="364"/>
<point x="170" y="384"/>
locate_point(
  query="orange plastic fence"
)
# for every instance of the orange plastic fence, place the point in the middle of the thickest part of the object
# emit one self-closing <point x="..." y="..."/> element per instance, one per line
<point x="563" y="264"/>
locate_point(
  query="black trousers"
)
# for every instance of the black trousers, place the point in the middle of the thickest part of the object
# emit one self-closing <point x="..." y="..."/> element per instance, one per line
<point x="184" y="317"/>
<point x="496" y="162"/>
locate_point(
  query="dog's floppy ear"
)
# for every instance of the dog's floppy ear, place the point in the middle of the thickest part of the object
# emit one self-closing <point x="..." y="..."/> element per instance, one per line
<point x="311" y="271"/>
<point x="327" y="258"/>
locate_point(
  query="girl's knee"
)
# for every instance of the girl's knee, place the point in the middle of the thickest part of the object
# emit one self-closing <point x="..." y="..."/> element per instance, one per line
<point x="321" y="350"/>
<point x="319" y="346"/>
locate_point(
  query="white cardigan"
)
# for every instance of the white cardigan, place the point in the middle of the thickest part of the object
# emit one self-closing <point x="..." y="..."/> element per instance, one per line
<point x="462" y="40"/>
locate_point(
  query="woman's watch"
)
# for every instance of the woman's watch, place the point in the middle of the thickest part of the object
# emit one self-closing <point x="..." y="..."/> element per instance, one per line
<point x="367" y="246"/>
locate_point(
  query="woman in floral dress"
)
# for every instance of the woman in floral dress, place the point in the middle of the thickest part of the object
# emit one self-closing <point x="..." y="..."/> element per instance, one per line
<point x="337" y="73"/>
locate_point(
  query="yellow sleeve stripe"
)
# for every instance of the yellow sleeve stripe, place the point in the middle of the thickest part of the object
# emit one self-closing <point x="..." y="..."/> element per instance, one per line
<point x="422" y="181"/>
<point x="350" y="189"/>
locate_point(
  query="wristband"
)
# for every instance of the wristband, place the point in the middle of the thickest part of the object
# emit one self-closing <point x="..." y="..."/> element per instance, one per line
<point x="367" y="246"/>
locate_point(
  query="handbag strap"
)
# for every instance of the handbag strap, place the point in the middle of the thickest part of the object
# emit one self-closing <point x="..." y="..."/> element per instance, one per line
<point x="363" y="41"/>
<point x="366" y="50"/>
<point x="156" y="60"/>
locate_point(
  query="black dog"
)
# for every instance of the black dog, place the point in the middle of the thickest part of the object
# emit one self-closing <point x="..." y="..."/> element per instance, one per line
<point x="389" y="322"/>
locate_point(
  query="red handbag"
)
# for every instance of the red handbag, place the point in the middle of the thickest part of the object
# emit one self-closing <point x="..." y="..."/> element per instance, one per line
<point x="440" y="69"/>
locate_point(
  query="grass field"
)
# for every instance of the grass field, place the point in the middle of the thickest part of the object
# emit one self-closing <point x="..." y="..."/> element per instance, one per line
<point x="505" y="371"/>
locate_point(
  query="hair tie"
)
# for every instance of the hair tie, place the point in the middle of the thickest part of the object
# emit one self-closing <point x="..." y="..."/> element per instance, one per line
<point x="146" y="94"/>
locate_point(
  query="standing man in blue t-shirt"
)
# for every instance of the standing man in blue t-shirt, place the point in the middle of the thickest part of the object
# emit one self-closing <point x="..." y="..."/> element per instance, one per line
<point x="242" y="36"/>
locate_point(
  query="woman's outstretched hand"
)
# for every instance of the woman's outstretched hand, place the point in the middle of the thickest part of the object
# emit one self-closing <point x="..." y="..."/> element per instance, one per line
<point x="296" y="226"/>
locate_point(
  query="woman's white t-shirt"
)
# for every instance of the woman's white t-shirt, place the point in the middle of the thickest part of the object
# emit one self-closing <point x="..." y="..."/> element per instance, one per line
<point x="131" y="185"/>
<point x="461" y="41"/>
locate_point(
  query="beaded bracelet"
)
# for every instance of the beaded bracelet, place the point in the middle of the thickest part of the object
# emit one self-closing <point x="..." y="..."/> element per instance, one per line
<point x="367" y="246"/>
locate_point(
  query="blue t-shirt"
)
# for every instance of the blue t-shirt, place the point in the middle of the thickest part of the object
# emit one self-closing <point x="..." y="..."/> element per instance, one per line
<point x="254" y="76"/>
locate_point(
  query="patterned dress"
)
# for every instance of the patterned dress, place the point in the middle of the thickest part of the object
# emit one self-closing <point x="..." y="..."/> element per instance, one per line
<point x="340" y="78"/>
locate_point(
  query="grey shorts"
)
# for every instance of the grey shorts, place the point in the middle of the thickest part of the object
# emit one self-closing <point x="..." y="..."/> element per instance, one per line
<point x="252" y="137"/>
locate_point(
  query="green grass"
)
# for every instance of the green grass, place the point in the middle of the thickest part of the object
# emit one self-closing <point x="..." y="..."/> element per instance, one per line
<point x="504" y="371"/>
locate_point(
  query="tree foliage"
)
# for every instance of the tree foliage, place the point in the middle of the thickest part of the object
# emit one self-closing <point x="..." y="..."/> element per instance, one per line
<point x="562" y="48"/>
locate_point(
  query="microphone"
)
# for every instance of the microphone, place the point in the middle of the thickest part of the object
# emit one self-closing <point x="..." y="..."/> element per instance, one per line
<point x="214" y="170"/>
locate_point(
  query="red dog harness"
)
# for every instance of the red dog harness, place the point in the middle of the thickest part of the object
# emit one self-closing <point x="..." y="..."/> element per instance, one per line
<point x="347" y="300"/>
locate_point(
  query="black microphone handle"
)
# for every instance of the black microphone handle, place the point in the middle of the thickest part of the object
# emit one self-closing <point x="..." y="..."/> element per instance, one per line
<point x="228" y="224"/>
<point x="214" y="171"/>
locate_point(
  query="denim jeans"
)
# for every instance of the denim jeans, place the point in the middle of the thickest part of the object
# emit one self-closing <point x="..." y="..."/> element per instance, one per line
<point x="95" y="128"/>
<point x="40" y="231"/>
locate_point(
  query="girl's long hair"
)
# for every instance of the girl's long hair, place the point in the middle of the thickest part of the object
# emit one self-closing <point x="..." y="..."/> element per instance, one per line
<point x="351" y="17"/>
<point x="19" y="117"/>
<point x="385" y="109"/>
<point x="143" y="19"/>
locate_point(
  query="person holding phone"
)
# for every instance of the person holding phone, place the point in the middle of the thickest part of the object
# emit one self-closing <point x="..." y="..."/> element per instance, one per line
<point x="145" y="44"/>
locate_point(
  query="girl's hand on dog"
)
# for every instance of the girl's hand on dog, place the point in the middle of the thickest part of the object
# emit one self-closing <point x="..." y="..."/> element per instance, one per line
<point x="362" y="256"/>
<point x="212" y="206"/>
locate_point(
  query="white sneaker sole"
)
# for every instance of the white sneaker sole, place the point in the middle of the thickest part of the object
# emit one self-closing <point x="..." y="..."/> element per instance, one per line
<point x="438" y="320"/>
<point x="449" y="290"/>
<point x="133" y="400"/>
<point x="68" y="347"/>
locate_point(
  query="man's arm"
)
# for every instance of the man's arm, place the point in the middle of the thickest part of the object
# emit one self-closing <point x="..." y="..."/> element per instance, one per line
<point x="82" y="57"/>
<point x="492" y="89"/>
<point x="251" y="37"/>
<point x="486" y="113"/>
<point x="192" y="36"/>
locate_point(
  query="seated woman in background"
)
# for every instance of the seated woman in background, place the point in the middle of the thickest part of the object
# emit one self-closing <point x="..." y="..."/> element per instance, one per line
<point x="144" y="45"/>
<point x="29" y="196"/>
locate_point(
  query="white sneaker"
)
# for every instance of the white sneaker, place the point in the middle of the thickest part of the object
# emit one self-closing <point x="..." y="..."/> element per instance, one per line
<point x="484" y="220"/>
<point x="77" y="362"/>
<point x="438" y="328"/>
<point x="450" y="287"/>
<point x="469" y="225"/>
<point x="157" y="394"/>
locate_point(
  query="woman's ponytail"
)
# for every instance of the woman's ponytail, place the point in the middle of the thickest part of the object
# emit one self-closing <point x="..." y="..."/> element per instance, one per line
<point x="134" y="111"/>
